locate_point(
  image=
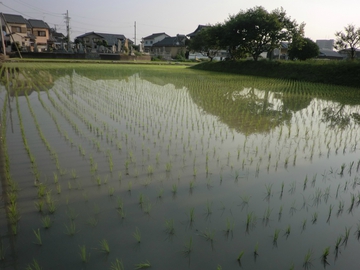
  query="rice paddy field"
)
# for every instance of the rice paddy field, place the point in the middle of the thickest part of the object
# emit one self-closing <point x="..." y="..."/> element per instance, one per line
<point x="128" y="167"/>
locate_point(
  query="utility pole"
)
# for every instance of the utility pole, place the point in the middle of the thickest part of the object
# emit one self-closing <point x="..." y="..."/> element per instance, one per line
<point x="67" y="21"/>
<point x="135" y="33"/>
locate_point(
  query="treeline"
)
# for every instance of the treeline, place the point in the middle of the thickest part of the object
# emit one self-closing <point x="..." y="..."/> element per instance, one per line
<point x="252" y="32"/>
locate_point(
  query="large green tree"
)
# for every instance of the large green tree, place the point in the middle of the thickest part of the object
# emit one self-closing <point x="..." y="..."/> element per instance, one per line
<point x="303" y="48"/>
<point x="208" y="41"/>
<point x="256" y="30"/>
<point x="350" y="39"/>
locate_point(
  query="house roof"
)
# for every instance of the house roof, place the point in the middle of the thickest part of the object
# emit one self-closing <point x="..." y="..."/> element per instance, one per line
<point x="38" y="23"/>
<point x="177" y="41"/>
<point x="200" y="26"/>
<point x="111" y="39"/>
<point x="329" y="53"/>
<point x="11" y="18"/>
<point x="152" y="36"/>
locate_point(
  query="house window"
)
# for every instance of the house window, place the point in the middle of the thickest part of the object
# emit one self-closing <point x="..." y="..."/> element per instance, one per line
<point x="16" y="29"/>
<point x="41" y="33"/>
<point x="146" y="42"/>
<point x="150" y="41"/>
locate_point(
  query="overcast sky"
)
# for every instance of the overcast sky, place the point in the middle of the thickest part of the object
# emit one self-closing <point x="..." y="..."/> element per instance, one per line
<point x="322" y="18"/>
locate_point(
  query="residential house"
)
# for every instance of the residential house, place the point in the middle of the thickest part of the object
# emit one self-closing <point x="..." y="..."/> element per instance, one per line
<point x="169" y="47"/>
<point x="56" y="39"/>
<point x="197" y="30"/>
<point x="147" y="42"/>
<point x="16" y="28"/>
<point x="92" y="40"/>
<point x="41" y="31"/>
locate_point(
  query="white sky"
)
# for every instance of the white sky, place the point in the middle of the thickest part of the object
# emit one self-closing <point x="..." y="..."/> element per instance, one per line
<point x="322" y="18"/>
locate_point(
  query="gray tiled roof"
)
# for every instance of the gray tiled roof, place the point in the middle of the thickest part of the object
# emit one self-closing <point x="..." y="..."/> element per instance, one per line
<point x="329" y="53"/>
<point x="152" y="36"/>
<point x="200" y="26"/>
<point x="11" y="18"/>
<point x="38" y="23"/>
<point x="111" y="39"/>
<point x="177" y="41"/>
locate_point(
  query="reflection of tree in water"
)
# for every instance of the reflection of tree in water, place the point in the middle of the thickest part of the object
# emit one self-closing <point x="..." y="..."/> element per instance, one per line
<point x="339" y="116"/>
<point x="247" y="111"/>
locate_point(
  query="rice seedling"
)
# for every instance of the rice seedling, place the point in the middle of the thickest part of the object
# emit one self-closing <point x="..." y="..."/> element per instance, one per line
<point x="111" y="191"/>
<point x="73" y="174"/>
<point x="147" y="208"/>
<point x="338" y="242"/>
<point x="324" y="256"/>
<point x="188" y="246"/>
<point x="208" y="208"/>
<point x="208" y="235"/>
<point x="92" y="221"/>
<point x="287" y="231"/>
<point x="46" y="221"/>
<point x="117" y="265"/>
<point x="71" y="214"/>
<point x="250" y="221"/>
<point x="137" y="235"/>
<point x="245" y="201"/>
<point x="314" y="218"/>
<point x="268" y="188"/>
<point x="340" y="208"/>
<point x="229" y="226"/>
<point x="51" y="207"/>
<point x="241" y="254"/>
<point x="71" y="229"/>
<point x="38" y="237"/>
<point x="160" y="193"/>
<point x="58" y="188"/>
<point x="104" y="246"/>
<point x="143" y="265"/>
<point x="276" y="236"/>
<point x="304" y="224"/>
<point x="168" y="166"/>
<point x="256" y="249"/>
<point x="174" y="189"/>
<point x="191" y="216"/>
<point x="83" y="254"/>
<point x="169" y="226"/>
<point x="308" y="260"/>
<point x="34" y="266"/>
<point x="346" y="236"/>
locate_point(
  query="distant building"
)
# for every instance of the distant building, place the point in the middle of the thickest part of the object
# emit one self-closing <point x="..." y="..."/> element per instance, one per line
<point x="169" y="47"/>
<point x="149" y="41"/>
<point x="325" y="44"/>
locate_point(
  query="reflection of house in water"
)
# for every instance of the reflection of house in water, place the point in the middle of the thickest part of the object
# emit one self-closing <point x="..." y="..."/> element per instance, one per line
<point x="18" y="84"/>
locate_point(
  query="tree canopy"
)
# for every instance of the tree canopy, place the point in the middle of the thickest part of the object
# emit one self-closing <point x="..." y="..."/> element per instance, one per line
<point x="350" y="39"/>
<point x="303" y="48"/>
<point x="248" y="33"/>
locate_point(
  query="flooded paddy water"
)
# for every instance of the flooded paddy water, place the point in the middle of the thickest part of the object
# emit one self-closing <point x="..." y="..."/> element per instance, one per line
<point x="124" y="167"/>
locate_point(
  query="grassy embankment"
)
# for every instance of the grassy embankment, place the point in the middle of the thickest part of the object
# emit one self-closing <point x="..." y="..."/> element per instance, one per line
<point x="328" y="72"/>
